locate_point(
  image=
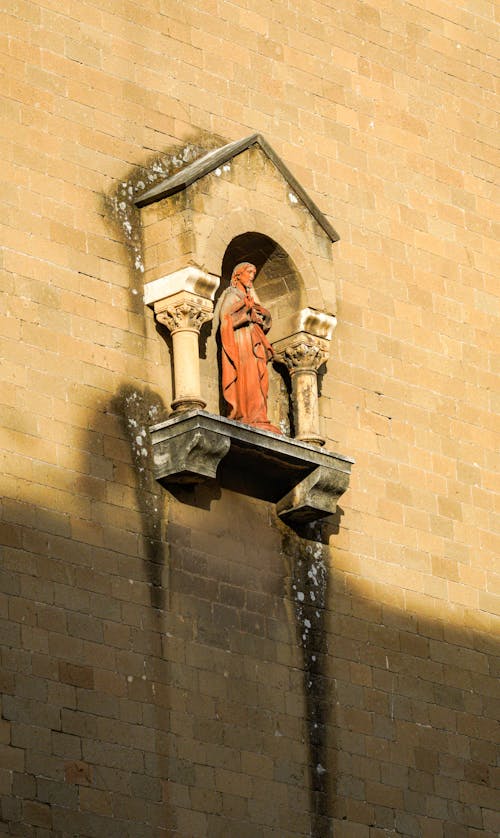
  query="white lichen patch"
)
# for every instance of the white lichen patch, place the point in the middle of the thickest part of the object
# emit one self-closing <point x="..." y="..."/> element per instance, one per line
<point x="138" y="417"/>
<point x="122" y="203"/>
<point x="309" y="594"/>
<point x="284" y="427"/>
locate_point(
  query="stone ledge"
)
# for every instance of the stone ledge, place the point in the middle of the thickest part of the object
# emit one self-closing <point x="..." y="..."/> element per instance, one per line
<point x="196" y="446"/>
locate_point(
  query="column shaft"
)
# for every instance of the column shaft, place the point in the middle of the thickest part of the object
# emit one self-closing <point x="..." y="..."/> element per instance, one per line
<point x="187" y="390"/>
<point x="305" y="406"/>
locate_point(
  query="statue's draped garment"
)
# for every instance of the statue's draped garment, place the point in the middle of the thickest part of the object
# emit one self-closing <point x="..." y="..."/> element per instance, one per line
<point x="245" y="355"/>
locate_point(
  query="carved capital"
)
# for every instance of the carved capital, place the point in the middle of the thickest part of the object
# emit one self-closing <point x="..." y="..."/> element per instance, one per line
<point x="302" y="353"/>
<point x="307" y="355"/>
<point x="184" y="311"/>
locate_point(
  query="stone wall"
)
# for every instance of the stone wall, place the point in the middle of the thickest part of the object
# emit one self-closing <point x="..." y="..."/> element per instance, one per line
<point x="185" y="664"/>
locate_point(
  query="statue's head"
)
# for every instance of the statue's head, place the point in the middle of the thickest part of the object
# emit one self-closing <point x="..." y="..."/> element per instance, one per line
<point x="243" y="274"/>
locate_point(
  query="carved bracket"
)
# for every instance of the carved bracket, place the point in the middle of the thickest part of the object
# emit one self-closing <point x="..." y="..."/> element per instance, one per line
<point x="314" y="497"/>
<point x="190" y="457"/>
<point x="304" y="482"/>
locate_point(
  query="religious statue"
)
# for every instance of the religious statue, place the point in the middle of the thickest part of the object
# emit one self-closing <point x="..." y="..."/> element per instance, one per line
<point x="246" y="350"/>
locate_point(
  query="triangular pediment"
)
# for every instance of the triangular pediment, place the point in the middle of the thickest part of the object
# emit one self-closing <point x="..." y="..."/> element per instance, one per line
<point x="218" y="157"/>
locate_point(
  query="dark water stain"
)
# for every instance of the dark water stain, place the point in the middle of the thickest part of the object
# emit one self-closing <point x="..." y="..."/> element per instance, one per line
<point x="138" y="409"/>
<point x="309" y="580"/>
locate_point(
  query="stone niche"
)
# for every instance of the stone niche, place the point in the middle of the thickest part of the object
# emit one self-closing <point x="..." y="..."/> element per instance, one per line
<point x="241" y="203"/>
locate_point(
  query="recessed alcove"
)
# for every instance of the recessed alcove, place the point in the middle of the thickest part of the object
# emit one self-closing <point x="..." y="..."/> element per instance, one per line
<point x="278" y="283"/>
<point x="279" y="287"/>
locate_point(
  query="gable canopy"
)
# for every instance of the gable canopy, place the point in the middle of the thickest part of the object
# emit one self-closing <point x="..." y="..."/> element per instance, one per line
<point x="217" y="157"/>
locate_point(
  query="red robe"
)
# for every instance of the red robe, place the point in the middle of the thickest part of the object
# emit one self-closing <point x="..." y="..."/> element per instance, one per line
<point x="246" y="352"/>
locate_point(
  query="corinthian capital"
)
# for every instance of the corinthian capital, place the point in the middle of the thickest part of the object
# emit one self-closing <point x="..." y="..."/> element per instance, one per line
<point x="302" y="353"/>
<point x="302" y="341"/>
<point x="306" y="354"/>
<point x="184" y="311"/>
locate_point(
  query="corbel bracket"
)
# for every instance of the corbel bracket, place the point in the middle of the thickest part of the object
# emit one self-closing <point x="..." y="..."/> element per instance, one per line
<point x="314" y="497"/>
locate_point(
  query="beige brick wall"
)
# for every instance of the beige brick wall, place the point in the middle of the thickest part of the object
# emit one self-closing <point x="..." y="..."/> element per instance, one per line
<point x="164" y="671"/>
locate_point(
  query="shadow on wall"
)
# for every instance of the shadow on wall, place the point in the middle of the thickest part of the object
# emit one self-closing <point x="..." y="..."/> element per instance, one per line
<point x="85" y="678"/>
<point x="255" y="693"/>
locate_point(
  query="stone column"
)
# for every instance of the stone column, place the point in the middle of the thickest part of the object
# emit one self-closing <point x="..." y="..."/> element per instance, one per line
<point x="303" y="350"/>
<point x="183" y="302"/>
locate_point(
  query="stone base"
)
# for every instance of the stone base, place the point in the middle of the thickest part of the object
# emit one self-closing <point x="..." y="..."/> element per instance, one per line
<point x="303" y="481"/>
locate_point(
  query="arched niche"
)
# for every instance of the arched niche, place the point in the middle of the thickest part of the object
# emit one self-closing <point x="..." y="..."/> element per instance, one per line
<point x="280" y="288"/>
<point x="278" y="282"/>
<point x="275" y="250"/>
